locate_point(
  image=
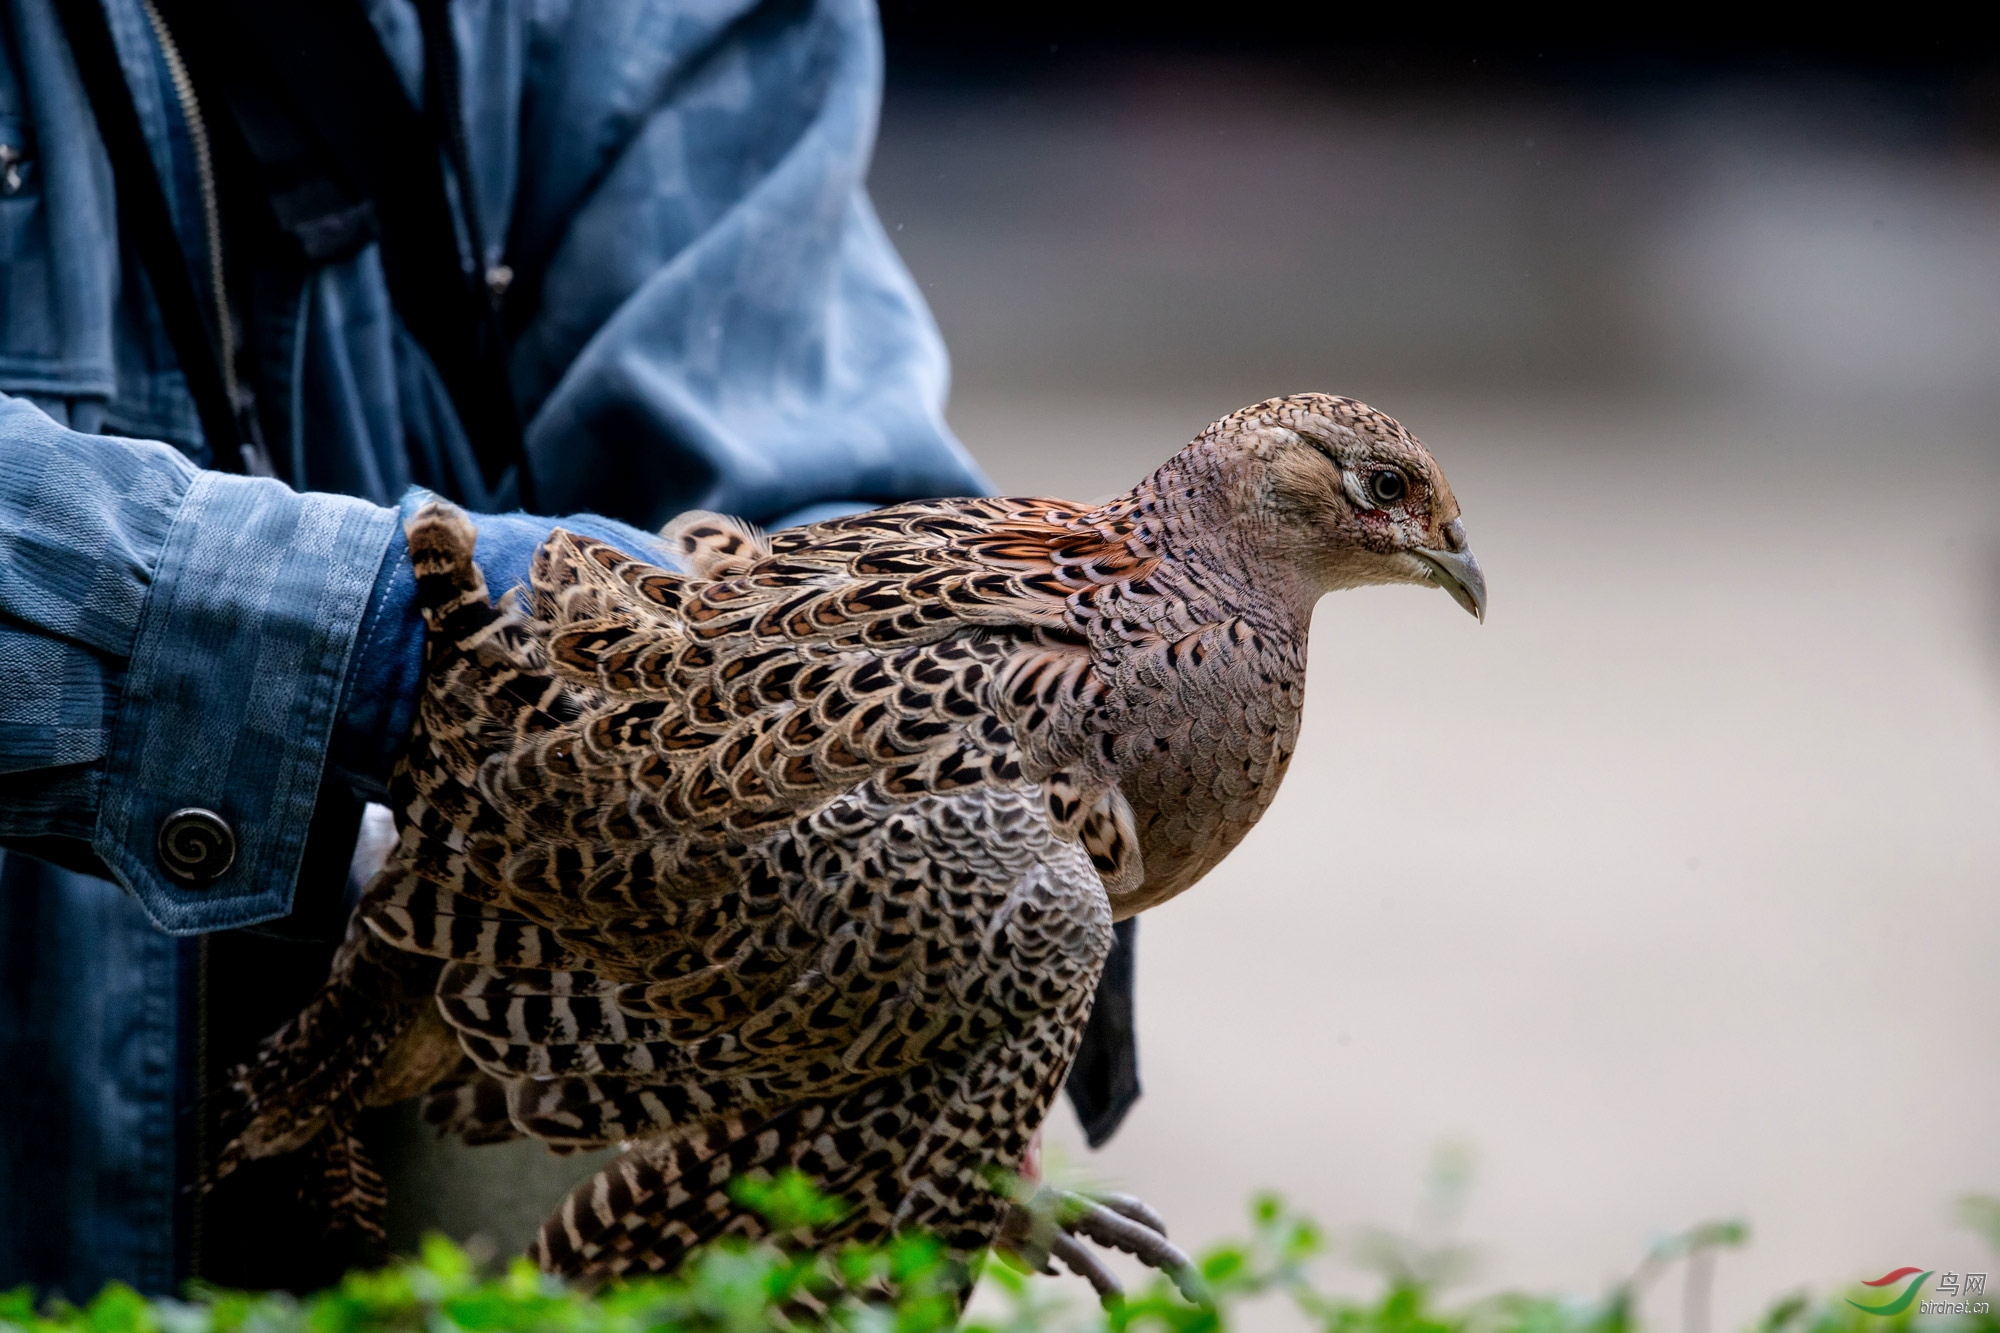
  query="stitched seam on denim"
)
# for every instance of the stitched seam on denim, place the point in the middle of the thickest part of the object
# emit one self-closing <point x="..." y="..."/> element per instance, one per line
<point x="365" y="649"/>
<point x="114" y="812"/>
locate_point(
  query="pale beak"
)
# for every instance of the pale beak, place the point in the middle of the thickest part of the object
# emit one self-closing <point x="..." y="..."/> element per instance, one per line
<point x="1457" y="573"/>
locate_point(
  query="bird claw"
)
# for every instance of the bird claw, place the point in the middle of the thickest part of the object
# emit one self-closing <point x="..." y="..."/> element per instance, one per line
<point x="1053" y="1224"/>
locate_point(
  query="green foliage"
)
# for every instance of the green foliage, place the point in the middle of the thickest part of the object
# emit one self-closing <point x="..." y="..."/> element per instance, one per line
<point x="912" y="1286"/>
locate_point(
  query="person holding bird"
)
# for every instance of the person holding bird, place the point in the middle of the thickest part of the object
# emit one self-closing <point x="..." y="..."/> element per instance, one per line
<point x="804" y="849"/>
<point x="807" y="858"/>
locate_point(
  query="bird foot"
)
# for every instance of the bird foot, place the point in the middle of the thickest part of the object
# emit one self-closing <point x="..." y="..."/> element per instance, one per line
<point x="1052" y="1224"/>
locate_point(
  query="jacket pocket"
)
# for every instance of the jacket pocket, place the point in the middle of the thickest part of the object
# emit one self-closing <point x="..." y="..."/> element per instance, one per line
<point x="30" y="336"/>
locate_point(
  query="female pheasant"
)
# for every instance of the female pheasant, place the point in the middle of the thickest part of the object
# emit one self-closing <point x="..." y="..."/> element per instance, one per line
<point x="807" y="857"/>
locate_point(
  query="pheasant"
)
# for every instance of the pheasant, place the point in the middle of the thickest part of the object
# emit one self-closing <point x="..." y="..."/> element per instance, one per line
<point x="807" y="857"/>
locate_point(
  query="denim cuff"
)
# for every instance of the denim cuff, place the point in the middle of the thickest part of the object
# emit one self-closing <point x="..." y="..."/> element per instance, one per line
<point x="231" y="693"/>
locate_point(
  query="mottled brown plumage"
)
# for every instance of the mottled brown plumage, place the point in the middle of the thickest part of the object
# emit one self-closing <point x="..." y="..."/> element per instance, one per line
<point x="808" y="856"/>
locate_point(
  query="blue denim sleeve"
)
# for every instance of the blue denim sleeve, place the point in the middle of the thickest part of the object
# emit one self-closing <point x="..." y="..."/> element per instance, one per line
<point x="715" y="318"/>
<point x="170" y="639"/>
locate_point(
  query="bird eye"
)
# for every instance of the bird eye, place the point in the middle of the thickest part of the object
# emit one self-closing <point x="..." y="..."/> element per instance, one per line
<point x="1387" y="486"/>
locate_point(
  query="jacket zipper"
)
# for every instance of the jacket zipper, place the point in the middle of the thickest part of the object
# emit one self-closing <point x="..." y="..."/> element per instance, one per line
<point x="254" y="461"/>
<point x="211" y="222"/>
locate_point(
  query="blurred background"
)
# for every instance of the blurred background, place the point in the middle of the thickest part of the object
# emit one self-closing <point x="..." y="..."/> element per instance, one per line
<point x="1669" y="893"/>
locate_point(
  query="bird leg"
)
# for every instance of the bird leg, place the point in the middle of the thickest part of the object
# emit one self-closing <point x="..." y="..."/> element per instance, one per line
<point x="1053" y="1224"/>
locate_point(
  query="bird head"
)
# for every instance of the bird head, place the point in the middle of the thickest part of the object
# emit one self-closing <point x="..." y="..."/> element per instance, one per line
<point x="1345" y="496"/>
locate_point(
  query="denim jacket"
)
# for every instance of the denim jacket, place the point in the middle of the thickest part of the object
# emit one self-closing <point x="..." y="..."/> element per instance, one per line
<point x="720" y="323"/>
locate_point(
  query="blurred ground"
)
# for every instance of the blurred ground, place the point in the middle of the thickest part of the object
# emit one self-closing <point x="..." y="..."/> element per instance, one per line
<point x="1670" y="890"/>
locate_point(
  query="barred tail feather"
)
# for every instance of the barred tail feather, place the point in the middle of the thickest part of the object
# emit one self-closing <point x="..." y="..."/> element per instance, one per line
<point x="355" y="1197"/>
<point x="471" y="1105"/>
<point x="669" y="1193"/>
<point x="645" y="1211"/>
<point x="323" y="1066"/>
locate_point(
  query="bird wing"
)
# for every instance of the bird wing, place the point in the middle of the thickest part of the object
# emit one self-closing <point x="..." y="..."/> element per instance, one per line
<point x="911" y="933"/>
<point x="912" y="1149"/>
<point x="695" y="848"/>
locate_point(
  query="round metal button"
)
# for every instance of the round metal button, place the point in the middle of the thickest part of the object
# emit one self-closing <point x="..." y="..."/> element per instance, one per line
<point x="196" y="846"/>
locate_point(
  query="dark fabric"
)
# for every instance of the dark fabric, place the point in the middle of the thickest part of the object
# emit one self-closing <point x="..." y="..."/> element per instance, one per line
<point x="89" y="1006"/>
<point x="341" y="154"/>
<point x="1104" y="1081"/>
<point x="706" y="313"/>
<point x="144" y="217"/>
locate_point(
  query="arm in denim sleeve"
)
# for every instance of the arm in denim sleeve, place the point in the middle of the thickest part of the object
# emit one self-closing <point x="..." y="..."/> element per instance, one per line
<point x="169" y="638"/>
<point x="709" y="314"/>
<point x="175" y="638"/>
